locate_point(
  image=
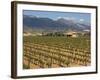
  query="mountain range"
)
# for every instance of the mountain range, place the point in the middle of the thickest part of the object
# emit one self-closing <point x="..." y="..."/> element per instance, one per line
<point x="40" y="24"/>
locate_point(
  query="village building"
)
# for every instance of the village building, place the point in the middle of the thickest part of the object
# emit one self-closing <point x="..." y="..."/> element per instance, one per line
<point x="27" y="34"/>
<point x="71" y="34"/>
<point x="32" y="34"/>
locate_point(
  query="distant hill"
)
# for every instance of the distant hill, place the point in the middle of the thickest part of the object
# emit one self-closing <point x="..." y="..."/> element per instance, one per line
<point x="39" y="24"/>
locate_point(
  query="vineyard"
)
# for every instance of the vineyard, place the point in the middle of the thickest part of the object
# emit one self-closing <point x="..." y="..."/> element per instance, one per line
<point x="52" y="52"/>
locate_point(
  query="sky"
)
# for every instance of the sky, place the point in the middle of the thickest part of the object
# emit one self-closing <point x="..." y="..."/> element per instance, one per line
<point x="79" y="17"/>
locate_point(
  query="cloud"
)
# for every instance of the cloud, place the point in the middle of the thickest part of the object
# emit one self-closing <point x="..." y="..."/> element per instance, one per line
<point x="81" y="20"/>
<point x="67" y="18"/>
<point x="59" y="17"/>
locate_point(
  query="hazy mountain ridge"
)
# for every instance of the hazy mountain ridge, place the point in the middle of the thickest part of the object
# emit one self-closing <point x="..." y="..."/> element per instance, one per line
<point x="33" y="23"/>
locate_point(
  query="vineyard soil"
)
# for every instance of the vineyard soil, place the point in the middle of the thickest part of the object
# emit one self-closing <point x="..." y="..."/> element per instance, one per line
<point x="58" y="51"/>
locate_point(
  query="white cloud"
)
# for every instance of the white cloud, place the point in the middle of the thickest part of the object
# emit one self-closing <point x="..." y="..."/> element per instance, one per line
<point x="67" y="18"/>
<point x="59" y="17"/>
<point x="81" y="20"/>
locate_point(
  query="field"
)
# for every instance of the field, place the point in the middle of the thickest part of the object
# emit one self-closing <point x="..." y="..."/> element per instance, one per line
<point x="52" y="52"/>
